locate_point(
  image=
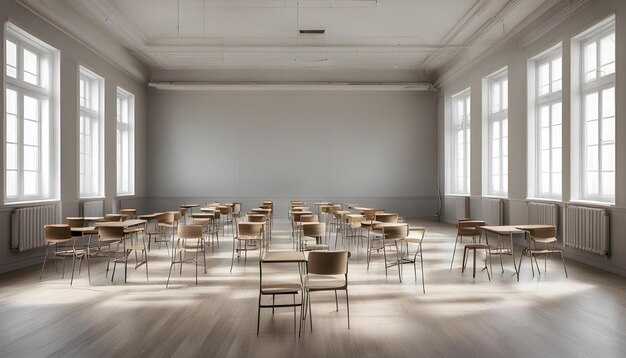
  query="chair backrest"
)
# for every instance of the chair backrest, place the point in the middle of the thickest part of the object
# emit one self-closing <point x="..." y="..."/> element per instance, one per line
<point x="314" y="229"/>
<point x="256" y="218"/>
<point x="202" y="222"/>
<point x="309" y="218"/>
<point x="328" y="263"/>
<point x="75" y="221"/>
<point x="370" y="214"/>
<point x="297" y="215"/>
<point x="250" y="229"/>
<point x="470" y="227"/>
<point x="386" y="218"/>
<point x="128" y="212"/>
<point x="395" y="231"/>
<point x="544" y="233"/>
<point x="193" y="231"/>
<point x="165" y="218"/>
<point x="226" y="209"/>
<point x="113" y="217"/>
<point x="110" y="232"/>
<point x="57" y="232"/>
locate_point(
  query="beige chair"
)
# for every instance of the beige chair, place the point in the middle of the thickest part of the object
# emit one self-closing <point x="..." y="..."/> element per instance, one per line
<point x="59" y="234"/>
<point x="85" y="247"/>
<point x="236" y="212"/>
<point x="117" y="235"/>
<point x="375" y="232"/>
<point x="547" y="237"/>
<point x="128" y="213"/>
<point x="166" y="222"/>
<point x="466" y="228"/>
<point x="392" y="236"/>
<point x="226" y="212"/>
<point x="326" y="271"/>
<point x="416" y="237"/>
<point x="248" y="232"/>
<point x="187" y="232"/>
<point x="113" y="217"/>
<point x="316" y="231"/>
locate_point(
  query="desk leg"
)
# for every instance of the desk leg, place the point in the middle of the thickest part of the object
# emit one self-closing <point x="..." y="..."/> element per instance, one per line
<point x="513" y="255"/>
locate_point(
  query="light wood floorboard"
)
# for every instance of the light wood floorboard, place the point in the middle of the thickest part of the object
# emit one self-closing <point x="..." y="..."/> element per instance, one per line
<point x="545" y="316"/>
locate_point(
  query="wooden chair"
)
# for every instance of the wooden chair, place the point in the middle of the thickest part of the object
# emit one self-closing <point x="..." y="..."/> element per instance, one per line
<point x="547" y="237"/>
<point x="117" y="235"/>
<point x="316" y="231"/>
<point x="187" y="232"/>
<point x="467" y="228"/>
<point x="128" y="213"/>
<point x="326" y="271"/>
<point x="59" y="234"/>
<point x="416" y="237"/>
<point x="247" y="232"/>
<point x="113" y="217"/>
<point x="392" y="236"/>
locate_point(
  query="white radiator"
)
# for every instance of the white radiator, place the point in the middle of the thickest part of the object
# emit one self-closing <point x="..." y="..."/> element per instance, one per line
<point x="493" y="211"/>
<point x="461" y="207"/>
<point x="587" y="229"/>
<point x="27" y="225"/>
<point x="543" y="213"/>
<point x="92" y="208"/>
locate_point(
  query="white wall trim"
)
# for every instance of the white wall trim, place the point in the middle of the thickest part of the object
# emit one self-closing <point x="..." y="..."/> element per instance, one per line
<point x="303" y="86"/>
<point x="540" y="31"/>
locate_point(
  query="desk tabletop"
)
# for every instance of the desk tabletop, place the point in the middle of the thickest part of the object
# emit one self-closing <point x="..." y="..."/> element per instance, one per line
<point x="94" y="218"/>
<point x="148" y="216"/>
<point x="83" y="229"/>
<point x="203" y="215"/>
<point x="124" y="224"/>
<point x="501" y="229"/>
<point x="283" y="257"/>
<point x="189" y="206"/>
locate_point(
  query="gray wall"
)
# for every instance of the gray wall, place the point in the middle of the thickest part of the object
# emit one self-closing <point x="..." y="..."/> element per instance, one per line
<point x="74" y="54"/>
<point x="511" y="55"/>
<point x="373" y="148"/>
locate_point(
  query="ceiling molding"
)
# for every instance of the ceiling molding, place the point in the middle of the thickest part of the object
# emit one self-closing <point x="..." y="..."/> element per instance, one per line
<point x="538" y="32"/>
<point x="41" y="10"/>
<point x="286" y="86"/>
<point x="457" y="71"/>
<point x="116" y="22"/>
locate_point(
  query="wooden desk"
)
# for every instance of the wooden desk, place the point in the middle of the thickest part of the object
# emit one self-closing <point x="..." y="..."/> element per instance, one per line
<point x="499" y="231"/>
<point x="125" y="224"/>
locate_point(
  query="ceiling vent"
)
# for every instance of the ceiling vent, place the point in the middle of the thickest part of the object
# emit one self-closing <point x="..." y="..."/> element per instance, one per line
<point x="313" y="32"/>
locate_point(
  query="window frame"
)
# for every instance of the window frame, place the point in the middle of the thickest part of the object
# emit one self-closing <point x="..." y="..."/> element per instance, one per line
<point x="459" y="184"/>
<point x="580" y="89"/>
<point x="536" y="102"/>
<point x="500" y="116"/>
<point x="128" y="127"/>
<point x="93" y="113"/>
<point x="45" y="92"/>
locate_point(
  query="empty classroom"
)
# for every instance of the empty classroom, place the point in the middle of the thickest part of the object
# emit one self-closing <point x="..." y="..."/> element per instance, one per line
<point x="313" y="178"/>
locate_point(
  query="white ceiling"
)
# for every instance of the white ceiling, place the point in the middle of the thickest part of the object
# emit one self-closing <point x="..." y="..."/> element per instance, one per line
<point x="263" y="34"/>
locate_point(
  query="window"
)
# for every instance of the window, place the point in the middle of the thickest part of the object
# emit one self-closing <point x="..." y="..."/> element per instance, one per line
<point x="31" y="151"/>
<point x="545" y="125"/>
<point x="459" y="147"/>
<point x="90" y="130"/>
<point x="594" y="131"/>
<point x="125" y="142"/>
<point x="497" y="133"/>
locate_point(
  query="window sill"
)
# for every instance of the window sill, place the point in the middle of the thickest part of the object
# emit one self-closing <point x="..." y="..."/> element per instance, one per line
<point x="551" y="200"/>
<point x="125" y="195"/>
<point x="457" y="195"/>
<point x="29" y="202"/>
<point x="592" y="203"/>
<point x="88" y="198"/>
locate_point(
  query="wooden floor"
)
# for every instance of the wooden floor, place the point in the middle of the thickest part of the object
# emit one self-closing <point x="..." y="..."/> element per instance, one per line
<point x="548" y="316"/>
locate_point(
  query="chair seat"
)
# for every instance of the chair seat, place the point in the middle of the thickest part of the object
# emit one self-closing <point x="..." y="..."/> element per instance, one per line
<point x="318" y="283"/>
<point x="59" y="241"/>
<point x="370" y="223"/>
<point x="281" y="287"/>
<point x="547" y="240"/>
<point x="315" y="246"/>
<point x="414" y="240"/>
<point x="477" y="246"/>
